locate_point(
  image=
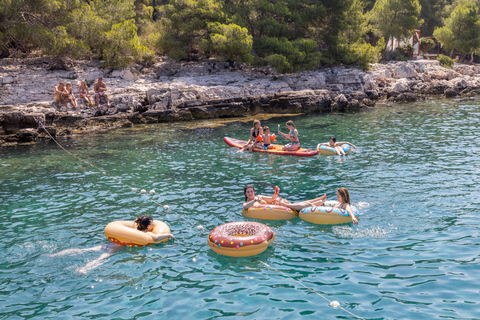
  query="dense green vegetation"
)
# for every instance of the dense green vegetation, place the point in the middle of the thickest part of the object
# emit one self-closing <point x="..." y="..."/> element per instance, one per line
<point x="289" y="35"/>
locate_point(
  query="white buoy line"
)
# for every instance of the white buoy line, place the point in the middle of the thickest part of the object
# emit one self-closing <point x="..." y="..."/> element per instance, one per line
<point x="142" y="191"/>
<point x="333" y="304"/>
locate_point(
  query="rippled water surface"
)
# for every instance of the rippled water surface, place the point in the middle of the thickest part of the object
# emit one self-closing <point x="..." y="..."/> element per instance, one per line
<point x="415" y="254"/>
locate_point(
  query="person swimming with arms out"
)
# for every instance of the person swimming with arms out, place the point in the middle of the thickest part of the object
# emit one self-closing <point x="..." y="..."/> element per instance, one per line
<point x="292" y="136"/>
<point x="256" y="134"/>
<point x="337" y="146"/>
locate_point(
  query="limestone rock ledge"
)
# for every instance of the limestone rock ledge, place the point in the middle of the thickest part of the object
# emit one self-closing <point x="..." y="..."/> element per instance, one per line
<point x="173" y="91"/>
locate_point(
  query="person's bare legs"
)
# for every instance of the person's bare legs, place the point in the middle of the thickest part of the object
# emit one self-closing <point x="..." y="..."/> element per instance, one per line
<point x="295" y="206"/>
<point x="106" y="99"/>
<point x="322" y="198"/>
<point x="291" y="147"/>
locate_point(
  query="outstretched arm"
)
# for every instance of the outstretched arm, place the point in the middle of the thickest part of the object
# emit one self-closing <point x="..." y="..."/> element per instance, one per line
<point x="159" y="237"/>
<point x="350" y="212"/>
<point x="250" y="203"/>
<point x="339" y="144"/>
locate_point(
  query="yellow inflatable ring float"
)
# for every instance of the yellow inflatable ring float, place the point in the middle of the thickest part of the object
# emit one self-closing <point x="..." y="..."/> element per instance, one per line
<point x="125" y="233"/>
<point x="269" y="212"/>
<point x="327" y="214"/>
<point x="329" y="151"/>
<point x="240" y="239"/>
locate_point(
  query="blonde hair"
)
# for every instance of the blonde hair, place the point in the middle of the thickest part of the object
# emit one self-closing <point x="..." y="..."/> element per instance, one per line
<point x="256" y="122"/>
<point x="290" y="123"/>
<point x="345" y="195"/>
<point x="266" y="128"/>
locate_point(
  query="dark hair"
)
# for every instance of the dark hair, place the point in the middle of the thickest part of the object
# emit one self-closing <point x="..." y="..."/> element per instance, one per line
<point x="290" y="123"/>
<point x="143" y="222"/>
<point x="245" y="190"/>
<point x="333" y="139"/>
<point x="345" y="195"/>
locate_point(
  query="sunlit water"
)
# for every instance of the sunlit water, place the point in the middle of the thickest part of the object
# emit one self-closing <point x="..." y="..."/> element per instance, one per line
<point x="415" y="254"/>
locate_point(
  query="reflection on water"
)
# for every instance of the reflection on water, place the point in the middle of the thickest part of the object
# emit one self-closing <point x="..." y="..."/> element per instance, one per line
<point x="413" y="256"/>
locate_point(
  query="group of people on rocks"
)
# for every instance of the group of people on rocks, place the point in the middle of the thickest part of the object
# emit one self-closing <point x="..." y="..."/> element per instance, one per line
<point x="63" y="93"/>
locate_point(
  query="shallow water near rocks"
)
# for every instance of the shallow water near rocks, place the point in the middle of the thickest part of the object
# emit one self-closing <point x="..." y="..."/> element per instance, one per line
<point x="415" y="254"/>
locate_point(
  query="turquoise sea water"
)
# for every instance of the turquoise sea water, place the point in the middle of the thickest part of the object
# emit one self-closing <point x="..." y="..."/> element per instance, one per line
<point x="415" y="254"/>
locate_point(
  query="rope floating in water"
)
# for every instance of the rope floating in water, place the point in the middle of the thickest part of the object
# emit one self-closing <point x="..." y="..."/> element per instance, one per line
<point x="333" y="304"/>
<point x="142" y="191"/>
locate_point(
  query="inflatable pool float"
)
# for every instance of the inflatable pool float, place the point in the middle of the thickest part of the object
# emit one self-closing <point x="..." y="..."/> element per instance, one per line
<point x="124" y="233"/>
<point x="329" y="151"/>
<point x="327" y="214"/>
<point x="273" y="148"/>
<point x="240" y="239"/>
<point x="269" y="212"/>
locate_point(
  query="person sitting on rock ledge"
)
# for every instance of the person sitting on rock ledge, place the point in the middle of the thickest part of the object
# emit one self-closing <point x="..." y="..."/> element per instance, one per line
<point x="60" y="94"/>
<point x="100" y="89"/>
<point x="83" y="92"/>
<point x="70" y="95"/>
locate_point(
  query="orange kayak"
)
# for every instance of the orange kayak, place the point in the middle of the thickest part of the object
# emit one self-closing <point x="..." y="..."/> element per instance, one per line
<point x="274" y="148"/>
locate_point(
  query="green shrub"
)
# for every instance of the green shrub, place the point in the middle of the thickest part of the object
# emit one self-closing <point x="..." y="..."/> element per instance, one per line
<point x="300" y="54"/>
<point x="122" y="46"/>
<point x="367" y="53"/>
<point x="406" y="51"/>
<point x="230" y="42"/>
<point x="426" y="44"/>
<point x="57" y="42"/>
<point x="396" y="55"/>
<point x="280" y="63"/>
<point x="445" y="61"/>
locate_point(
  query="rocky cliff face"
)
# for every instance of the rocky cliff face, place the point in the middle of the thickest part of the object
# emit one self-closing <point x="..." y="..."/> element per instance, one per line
<point x="172" y="91"/>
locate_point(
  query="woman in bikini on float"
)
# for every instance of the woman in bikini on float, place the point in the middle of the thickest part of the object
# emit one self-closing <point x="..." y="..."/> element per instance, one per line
<point x="251" y="199"/>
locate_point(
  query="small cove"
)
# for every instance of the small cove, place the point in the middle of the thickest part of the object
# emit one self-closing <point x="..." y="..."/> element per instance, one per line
<point x="413" y="256"/>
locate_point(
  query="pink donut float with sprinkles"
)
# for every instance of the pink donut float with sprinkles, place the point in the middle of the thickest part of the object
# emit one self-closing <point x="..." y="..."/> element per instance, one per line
<point x="269" y="212"/>
<point x="240" y="239"/>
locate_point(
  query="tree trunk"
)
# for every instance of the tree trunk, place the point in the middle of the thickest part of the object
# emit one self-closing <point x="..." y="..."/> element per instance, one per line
<point x="451" y="54"/>
<point x="471" y="59"/>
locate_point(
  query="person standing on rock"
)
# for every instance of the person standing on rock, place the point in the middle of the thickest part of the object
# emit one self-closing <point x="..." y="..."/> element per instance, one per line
<point x="83" y="92"/>
<point x="100" y="89"/>
<point x="60" y="94"/>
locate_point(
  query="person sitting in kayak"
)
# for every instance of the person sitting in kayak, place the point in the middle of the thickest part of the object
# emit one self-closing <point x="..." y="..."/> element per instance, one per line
<point x="337" y="146"/>
<point x="292" y="136"/>
<point x="256" y="137"/>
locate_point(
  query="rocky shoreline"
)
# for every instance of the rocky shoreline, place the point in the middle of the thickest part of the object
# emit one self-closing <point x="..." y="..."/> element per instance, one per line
<point x="176" y="91"/>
